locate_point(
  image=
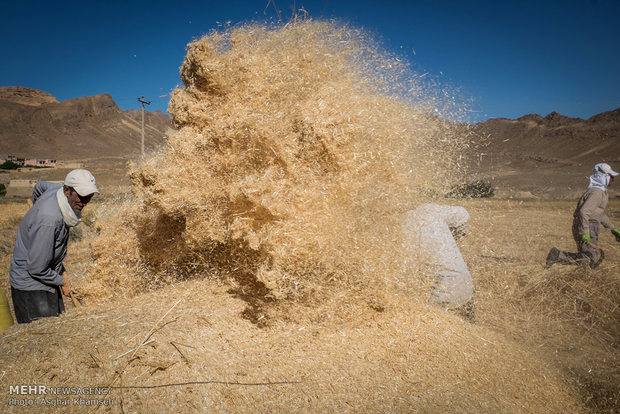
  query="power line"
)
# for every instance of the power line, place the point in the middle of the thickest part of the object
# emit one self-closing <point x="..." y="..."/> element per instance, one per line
<point x="144" y="103"/>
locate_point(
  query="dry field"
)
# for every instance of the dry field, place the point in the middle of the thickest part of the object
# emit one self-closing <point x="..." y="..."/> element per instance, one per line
<point x="568" y="315"/>
<point x="543" y="340"/>
<point x="111" y="174"/>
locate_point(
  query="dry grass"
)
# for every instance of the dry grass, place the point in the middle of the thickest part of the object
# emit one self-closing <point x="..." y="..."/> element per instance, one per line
<point x="537" y="331"/>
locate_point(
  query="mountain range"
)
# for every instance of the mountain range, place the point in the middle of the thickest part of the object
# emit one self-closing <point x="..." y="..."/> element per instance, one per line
<point x="34" y="124"/>
<point x="546" y="156"/>
<point x="533" y="156"/>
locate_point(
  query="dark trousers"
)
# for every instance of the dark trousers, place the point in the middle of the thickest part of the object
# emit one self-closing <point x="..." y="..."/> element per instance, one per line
<point x="30" y="305"/>
<point x="586" y="252"/>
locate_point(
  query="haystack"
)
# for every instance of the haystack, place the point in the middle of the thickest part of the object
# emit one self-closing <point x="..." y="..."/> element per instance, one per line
<point x="297" y="154"/>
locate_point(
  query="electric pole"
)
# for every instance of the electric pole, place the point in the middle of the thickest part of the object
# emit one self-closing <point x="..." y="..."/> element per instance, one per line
<point x="143" y="102"/>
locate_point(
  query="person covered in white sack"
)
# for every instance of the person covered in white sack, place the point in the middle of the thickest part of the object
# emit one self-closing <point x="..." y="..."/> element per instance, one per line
<point x="430" y="229"/>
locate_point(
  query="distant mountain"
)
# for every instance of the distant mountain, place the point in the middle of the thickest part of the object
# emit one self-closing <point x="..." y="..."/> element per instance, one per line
<point x="25" y="96"/>
<point x="35" y="124"/>
<point x="545" y="155"/>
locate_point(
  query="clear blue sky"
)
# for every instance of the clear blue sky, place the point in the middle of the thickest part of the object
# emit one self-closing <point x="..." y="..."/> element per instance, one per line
<point x="508" y="57"/>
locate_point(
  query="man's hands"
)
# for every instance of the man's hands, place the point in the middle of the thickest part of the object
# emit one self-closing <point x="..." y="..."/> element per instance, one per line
<point x="616" y="233"/>
<point x="586" y="238"/>
<point x="66" y="287"/>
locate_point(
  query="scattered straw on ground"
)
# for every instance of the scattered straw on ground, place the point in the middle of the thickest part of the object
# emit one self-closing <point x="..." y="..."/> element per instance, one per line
<point x="202" y="356"/>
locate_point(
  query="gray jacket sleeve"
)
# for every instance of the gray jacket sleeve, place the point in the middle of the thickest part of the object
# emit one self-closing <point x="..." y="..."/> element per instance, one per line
<point x="42" y="186"/>
<point x="41" y="253"/>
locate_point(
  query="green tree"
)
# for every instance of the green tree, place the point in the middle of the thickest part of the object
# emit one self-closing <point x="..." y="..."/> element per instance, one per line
<point x="9" y="165"/>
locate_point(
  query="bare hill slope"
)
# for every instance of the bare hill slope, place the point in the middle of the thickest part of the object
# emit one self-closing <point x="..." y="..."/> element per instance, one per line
<point x="25" y="96"/>
<point x="34" y="124"/>
<point x="548" y="156"/>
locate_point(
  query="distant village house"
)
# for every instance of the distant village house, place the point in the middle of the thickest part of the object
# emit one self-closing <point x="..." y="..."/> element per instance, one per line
<point x="32" y="162"/>
<point x="16" y="160"/>
<point x="38" y="162"/>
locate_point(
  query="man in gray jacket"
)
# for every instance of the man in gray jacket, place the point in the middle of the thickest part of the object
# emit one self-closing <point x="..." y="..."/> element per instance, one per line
<point x="37" y="271"/>
<point x="587" y="219"/>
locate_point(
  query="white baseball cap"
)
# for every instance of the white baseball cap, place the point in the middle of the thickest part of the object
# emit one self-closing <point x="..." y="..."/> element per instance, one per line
<point x="82" y="181"/>
<point x="605" y="169"/>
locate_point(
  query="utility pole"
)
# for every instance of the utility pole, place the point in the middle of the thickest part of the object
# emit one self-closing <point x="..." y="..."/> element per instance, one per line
<point x="143" y="102"/>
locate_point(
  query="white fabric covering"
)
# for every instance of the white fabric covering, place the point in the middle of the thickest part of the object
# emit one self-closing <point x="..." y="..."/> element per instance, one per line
<point x="68" y="215"/>
<point x="429" y="230"/>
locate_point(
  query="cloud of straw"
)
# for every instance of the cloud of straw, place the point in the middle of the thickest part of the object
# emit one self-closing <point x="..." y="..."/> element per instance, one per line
<point x="298" y="150"/>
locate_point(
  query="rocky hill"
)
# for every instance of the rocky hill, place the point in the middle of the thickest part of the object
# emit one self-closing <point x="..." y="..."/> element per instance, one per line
<point x="34" y="124"/>
<point x="546" y="156"/>
<point x="25" y="96"/>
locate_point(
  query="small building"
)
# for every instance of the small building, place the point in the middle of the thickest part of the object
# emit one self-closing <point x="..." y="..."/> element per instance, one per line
<point x="16" y="160"/>
<point x="40" y="163"/>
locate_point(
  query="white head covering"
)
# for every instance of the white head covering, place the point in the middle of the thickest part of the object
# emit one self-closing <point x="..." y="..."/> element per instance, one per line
<point x="69" y="216"/>
<point x="601" y="176"/>
<point x="605" y="169"/>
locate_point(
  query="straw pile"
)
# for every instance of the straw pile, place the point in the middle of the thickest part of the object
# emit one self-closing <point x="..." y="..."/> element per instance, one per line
<point x="198" y="355"/>
<point x="298" y="151"/>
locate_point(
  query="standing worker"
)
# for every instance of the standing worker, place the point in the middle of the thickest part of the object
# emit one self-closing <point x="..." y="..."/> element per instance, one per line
<point x="587" y="219"/>
<point x="37" y="271"/>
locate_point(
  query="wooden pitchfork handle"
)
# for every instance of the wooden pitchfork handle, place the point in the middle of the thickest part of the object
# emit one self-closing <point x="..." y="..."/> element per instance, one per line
<point x="76" y="303"/>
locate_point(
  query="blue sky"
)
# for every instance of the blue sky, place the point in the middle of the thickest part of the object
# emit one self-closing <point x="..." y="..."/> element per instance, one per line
<point x="505" y="58"/>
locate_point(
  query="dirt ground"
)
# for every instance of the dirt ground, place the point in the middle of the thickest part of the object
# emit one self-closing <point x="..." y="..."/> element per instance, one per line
<point x="110" y="173"/>
<point x="543" y="340"/>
